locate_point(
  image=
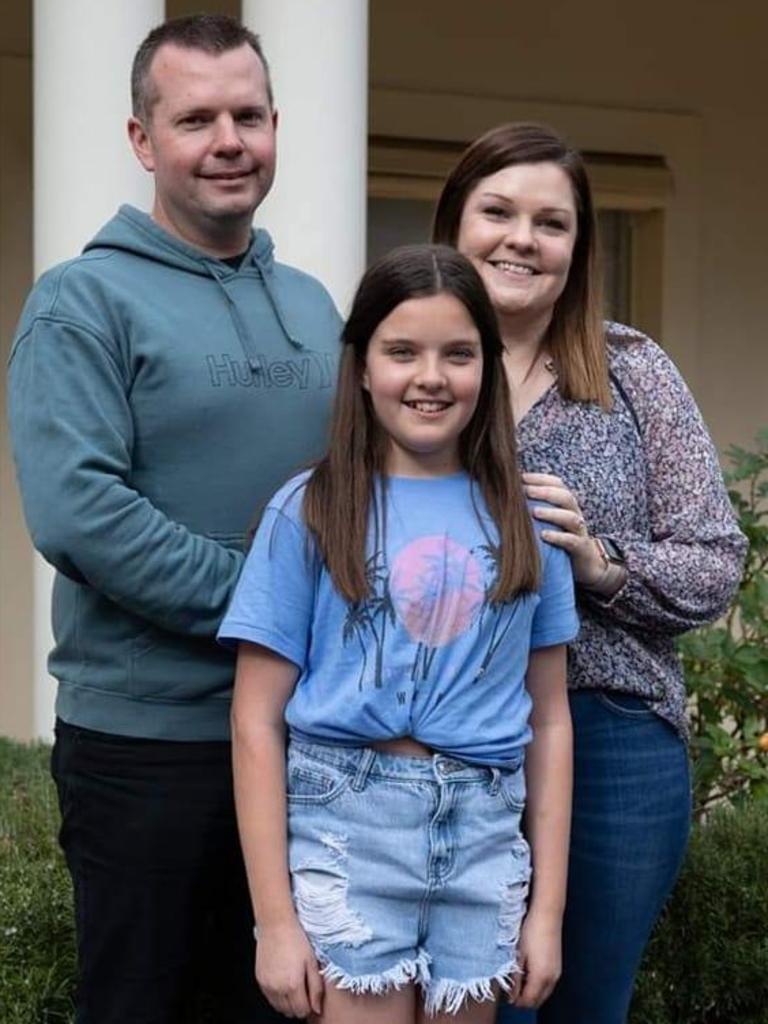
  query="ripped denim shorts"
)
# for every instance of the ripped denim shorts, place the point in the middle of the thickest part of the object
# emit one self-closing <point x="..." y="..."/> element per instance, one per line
<point x="408" y="870"/>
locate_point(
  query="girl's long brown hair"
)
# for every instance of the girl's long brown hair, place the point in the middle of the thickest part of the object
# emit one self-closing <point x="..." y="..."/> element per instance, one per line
<point x="340" y="493"/>
<point x="575" y="336"/>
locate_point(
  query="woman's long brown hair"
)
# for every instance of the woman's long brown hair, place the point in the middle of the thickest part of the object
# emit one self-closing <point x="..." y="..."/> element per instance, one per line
<point x="341" y="492"/>
<point x="575" y="336"/>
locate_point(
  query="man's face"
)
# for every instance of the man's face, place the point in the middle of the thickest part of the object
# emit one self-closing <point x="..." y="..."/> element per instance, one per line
<point x="210" y="141"/>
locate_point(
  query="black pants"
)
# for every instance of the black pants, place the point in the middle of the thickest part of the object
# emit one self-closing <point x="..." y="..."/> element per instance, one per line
<point x="164" y="924"/>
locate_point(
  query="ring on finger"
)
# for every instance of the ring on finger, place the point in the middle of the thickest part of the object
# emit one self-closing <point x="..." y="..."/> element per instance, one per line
<point x="581" y="526"/>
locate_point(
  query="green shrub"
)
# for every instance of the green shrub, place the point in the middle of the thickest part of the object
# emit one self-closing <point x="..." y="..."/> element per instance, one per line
<point x="37" y="958"/>
<point x="726" y="665"/>
<point x="707" y="962"/>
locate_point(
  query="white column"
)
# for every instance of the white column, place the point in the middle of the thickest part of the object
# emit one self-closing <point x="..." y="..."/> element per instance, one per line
<point x="83" y="170"/>
<point x="316" y="212"/>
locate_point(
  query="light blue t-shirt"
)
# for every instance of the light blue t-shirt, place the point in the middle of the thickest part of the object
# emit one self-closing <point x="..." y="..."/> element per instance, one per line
<point x="426" y="654"/>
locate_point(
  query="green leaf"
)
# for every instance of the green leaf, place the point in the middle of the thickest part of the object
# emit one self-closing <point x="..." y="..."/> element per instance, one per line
<point x="722" y="742"/>
<point x="757" y="676"/>
<point x="748" y="655"/>
<point x="753" y="769"/>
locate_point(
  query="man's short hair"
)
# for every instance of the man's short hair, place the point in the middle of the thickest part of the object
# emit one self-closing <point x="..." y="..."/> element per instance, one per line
<point x="212" y="33"/>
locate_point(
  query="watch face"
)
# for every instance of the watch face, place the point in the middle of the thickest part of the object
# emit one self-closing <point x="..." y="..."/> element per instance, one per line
<point x="613" y="551"/>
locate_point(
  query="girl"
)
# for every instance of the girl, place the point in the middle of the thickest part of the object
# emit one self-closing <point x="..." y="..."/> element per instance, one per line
<point x="397" y="612"/>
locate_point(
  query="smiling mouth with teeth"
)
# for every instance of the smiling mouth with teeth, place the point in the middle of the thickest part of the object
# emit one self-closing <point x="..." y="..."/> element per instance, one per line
<point x="422" y="406"/>
<point x="513" y="268"/>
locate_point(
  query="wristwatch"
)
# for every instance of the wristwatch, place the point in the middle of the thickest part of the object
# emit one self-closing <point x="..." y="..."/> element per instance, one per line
<point x="610" y="552"/>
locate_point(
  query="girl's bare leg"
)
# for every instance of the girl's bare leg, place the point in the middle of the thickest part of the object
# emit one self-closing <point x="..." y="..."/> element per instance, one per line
<point x="396" y="1007"/>
<point x="472" y="1013"/>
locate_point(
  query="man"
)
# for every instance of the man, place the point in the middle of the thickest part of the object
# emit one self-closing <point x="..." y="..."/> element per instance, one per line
<point x="162" y="386"/>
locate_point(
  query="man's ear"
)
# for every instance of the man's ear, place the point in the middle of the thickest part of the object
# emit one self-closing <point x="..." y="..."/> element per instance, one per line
<point x="141" y="143"/>
<point x="274" y="120"/>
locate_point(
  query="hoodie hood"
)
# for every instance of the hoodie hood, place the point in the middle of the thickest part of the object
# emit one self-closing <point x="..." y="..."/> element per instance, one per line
<point x="133" y="231"/>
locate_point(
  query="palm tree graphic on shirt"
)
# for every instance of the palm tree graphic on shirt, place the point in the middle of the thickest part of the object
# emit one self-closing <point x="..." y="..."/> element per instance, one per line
<point x="436" y="588"/>
<point x="503" y="613"/>
<point x="371" y="617"/>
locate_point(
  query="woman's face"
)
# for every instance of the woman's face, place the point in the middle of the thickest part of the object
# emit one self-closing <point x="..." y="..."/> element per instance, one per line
<point x="518" y="227"/>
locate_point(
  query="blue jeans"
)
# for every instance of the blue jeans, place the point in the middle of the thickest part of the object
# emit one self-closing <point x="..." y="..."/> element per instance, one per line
<point x="631" y="815"/>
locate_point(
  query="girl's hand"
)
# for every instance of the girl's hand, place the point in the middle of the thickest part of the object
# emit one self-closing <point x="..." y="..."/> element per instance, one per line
<point x="539" y="959"/>
<point x="589" y="567"/>
<point x="287" y="971"/>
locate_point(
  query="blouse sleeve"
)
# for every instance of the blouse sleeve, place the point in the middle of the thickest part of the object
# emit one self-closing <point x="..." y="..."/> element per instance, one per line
<point x="686" y="573"/>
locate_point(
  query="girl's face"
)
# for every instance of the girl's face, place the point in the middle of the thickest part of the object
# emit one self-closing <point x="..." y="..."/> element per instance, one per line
<point x="518" y="227"/>
<point x="423" y="371"/>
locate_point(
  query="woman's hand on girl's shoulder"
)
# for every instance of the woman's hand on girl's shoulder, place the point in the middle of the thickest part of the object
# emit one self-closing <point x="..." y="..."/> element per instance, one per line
<point x="539" y="958"/>
<point x="287" y="970"/>
<point x="563" y="510"/>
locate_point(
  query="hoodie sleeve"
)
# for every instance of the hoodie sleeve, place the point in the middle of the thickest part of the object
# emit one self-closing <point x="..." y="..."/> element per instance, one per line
<point x="72" y="435"/>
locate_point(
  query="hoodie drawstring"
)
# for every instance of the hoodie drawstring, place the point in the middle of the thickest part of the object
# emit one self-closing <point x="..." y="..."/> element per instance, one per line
<point x="266" y="278"/>
<point x="247" y="342"/>
<point x="135" y="232"/>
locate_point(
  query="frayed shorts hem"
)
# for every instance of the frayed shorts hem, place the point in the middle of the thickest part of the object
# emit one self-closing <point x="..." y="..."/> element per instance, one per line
<point x="403" y="973"/>
<point x="450" y="996"/>
<point x="447" y="995"/>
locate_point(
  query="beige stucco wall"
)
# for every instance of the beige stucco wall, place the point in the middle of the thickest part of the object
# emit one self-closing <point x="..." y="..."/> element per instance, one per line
<point x="699" y="58"/>
<point x="16" y="609"/>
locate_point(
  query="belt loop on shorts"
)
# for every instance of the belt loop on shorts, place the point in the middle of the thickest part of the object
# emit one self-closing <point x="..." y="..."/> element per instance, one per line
<point x="363" y="768"/>
<point x="493" y="788"/>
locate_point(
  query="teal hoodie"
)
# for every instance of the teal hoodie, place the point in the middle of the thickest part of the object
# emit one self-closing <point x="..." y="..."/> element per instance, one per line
<point x="157" y="399"/>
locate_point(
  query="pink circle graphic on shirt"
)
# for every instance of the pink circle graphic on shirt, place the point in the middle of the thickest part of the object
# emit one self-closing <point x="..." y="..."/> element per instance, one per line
<point x="437" y="587"/>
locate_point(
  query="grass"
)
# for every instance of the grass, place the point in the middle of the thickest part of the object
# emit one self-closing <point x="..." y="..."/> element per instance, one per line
<point x="37" y="958"/>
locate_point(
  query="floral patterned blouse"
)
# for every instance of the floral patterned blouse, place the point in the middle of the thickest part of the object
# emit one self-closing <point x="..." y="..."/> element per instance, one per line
<point x="646" y="474"/>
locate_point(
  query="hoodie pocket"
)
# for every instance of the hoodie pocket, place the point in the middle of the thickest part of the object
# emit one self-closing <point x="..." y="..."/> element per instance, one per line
<point x="173" y="667"/>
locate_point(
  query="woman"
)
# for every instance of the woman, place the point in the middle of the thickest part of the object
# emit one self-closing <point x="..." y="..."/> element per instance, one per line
<point x="612" y="440"/>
